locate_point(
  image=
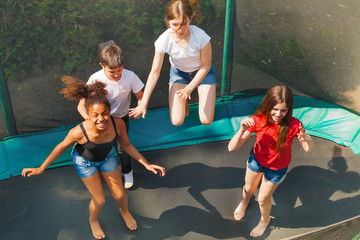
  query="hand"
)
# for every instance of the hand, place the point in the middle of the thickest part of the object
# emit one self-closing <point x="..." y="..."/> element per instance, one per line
<point x="247" y="123"/>
<point x="28" y="172"/>
<point x="302" y="136"/>
<point x="135" y="113"/>
<point x="184" y="94"/>
<point x="155" y="169"/>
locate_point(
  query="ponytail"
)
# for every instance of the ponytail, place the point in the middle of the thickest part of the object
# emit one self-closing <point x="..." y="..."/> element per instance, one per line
<point x="76" y="90"/>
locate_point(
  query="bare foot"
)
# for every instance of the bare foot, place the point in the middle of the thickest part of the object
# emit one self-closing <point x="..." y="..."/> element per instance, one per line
<point x="260" y="228"/>
<point x="240" y="211"/>
<point x="96" y="229"/>
<point x="129" y="220"/>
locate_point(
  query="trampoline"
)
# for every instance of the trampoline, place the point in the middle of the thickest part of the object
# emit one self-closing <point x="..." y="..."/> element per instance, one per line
<point x="195" y="200"/>
<point x="304" y="46"/>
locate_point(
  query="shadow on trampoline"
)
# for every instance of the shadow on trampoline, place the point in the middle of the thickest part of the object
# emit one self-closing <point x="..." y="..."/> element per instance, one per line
<point x="198" y="177"/>
<point x="309" y="193"/>
<point x="185" y="219"/>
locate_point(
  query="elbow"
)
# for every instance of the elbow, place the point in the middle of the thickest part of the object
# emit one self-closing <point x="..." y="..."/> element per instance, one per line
<point x="154" y="74"/>
<point x="125" y="147"/>
<point x="231" y="148"/>
<point x="307" y="148"/>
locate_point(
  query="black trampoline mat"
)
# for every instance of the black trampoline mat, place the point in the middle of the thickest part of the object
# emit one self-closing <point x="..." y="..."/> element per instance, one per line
<point x="195" y="200"/>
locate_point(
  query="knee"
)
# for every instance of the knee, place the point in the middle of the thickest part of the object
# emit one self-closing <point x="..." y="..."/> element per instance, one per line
<point x="177" y="122"/>
<point x="99" y="201"/>
<point x="263" y="199"/>
<point x="206" y="121"/>
<point x="247" y="189"/>
<point x="119" y="196"/>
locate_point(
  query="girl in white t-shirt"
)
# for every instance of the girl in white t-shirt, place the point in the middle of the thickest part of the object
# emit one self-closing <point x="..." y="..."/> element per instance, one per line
<point x="190" y="52"/>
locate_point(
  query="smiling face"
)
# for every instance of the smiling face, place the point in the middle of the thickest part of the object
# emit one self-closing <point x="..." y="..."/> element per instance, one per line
<point x="179" y="27"/>
<point x="278" y="112"/>
<point x="99" y="115"/>
<point x="113" y="74"/>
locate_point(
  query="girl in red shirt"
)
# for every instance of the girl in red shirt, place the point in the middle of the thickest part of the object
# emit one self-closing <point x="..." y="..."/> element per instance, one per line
<point x="275" y="130"/>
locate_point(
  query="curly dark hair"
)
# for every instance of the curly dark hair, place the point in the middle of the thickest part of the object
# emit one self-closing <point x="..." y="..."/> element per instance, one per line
<point x="76" y="90"/>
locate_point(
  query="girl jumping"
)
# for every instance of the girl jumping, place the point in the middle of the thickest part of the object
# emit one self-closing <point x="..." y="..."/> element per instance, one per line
<point x="275" y="130"/>
<point x="92" y="154"/>
<point x="189" y="51"/>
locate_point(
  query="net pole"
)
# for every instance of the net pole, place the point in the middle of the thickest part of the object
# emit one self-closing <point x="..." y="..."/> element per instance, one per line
<point x="7" y="110"/>
<point x="228" y="48"/>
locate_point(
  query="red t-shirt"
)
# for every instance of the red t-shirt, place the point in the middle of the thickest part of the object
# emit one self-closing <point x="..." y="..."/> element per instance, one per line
<point x="265" y="146"/>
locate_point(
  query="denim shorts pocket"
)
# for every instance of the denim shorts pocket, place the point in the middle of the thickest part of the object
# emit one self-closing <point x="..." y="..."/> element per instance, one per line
<point x="80" y="161"/>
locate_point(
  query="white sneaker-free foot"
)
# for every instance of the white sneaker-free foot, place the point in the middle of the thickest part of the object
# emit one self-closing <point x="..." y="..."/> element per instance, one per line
<point x="129" y="180"/>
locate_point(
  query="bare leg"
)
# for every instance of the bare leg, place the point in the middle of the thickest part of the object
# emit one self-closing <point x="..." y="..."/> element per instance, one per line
<point x="266" y="191"/>
<point x="207" y="98"/>
<point x="252" y="180"/>
<point x="113" y="180"/>
<point x="187" y="112"/>
<point x="177" y="106"/>
<point x="93" y="184"/>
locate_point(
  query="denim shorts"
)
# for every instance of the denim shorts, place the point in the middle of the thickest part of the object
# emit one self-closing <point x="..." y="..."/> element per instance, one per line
<point x="86" y="168"/>
<point x="274" y="176"/>
<point x="178" y="76"/>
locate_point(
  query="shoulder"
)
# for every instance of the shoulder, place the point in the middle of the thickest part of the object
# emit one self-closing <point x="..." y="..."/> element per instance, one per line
<point x="294" y="122"/>
<point x="196" y="29"/>
<point x="128" y="73"/>
<point x="76" y="133"/>
<point x="163" y="40"/>
<point x="130" y="76"/>
<point x="199" y="34"/>
<point x="118" y="121"/>
<point x="97" y="76"/>
<point x="119" y="124"/>
<point x="261" y="118"/>
<point x="294" y="125"/>
<point x="165" y="36"/>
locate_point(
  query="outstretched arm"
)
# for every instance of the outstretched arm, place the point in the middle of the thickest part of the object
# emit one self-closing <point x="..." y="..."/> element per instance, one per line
<point x="304" y="139"/>
<point x="141" y="109"/>
<point x="205" y="55"/>
<point x="132" y="151"/>
<point x="69" y="140"/>
<point x="242" y="135"/>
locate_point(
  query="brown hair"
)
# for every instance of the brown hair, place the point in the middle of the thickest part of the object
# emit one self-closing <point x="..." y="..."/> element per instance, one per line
<point x="76" y="90"/>
<point x="111" y="56"/>
<point x="275" y="95"/>
<point x="184" y="9"/>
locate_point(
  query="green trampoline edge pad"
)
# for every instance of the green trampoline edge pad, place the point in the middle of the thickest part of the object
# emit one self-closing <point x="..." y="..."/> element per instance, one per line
<point x="321" y="119"/>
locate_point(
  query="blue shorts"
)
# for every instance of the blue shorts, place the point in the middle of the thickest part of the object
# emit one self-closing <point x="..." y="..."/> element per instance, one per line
<point x="178" y="76"/>
<point x="274" y="176"/>
<point x="86" y="168"/>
